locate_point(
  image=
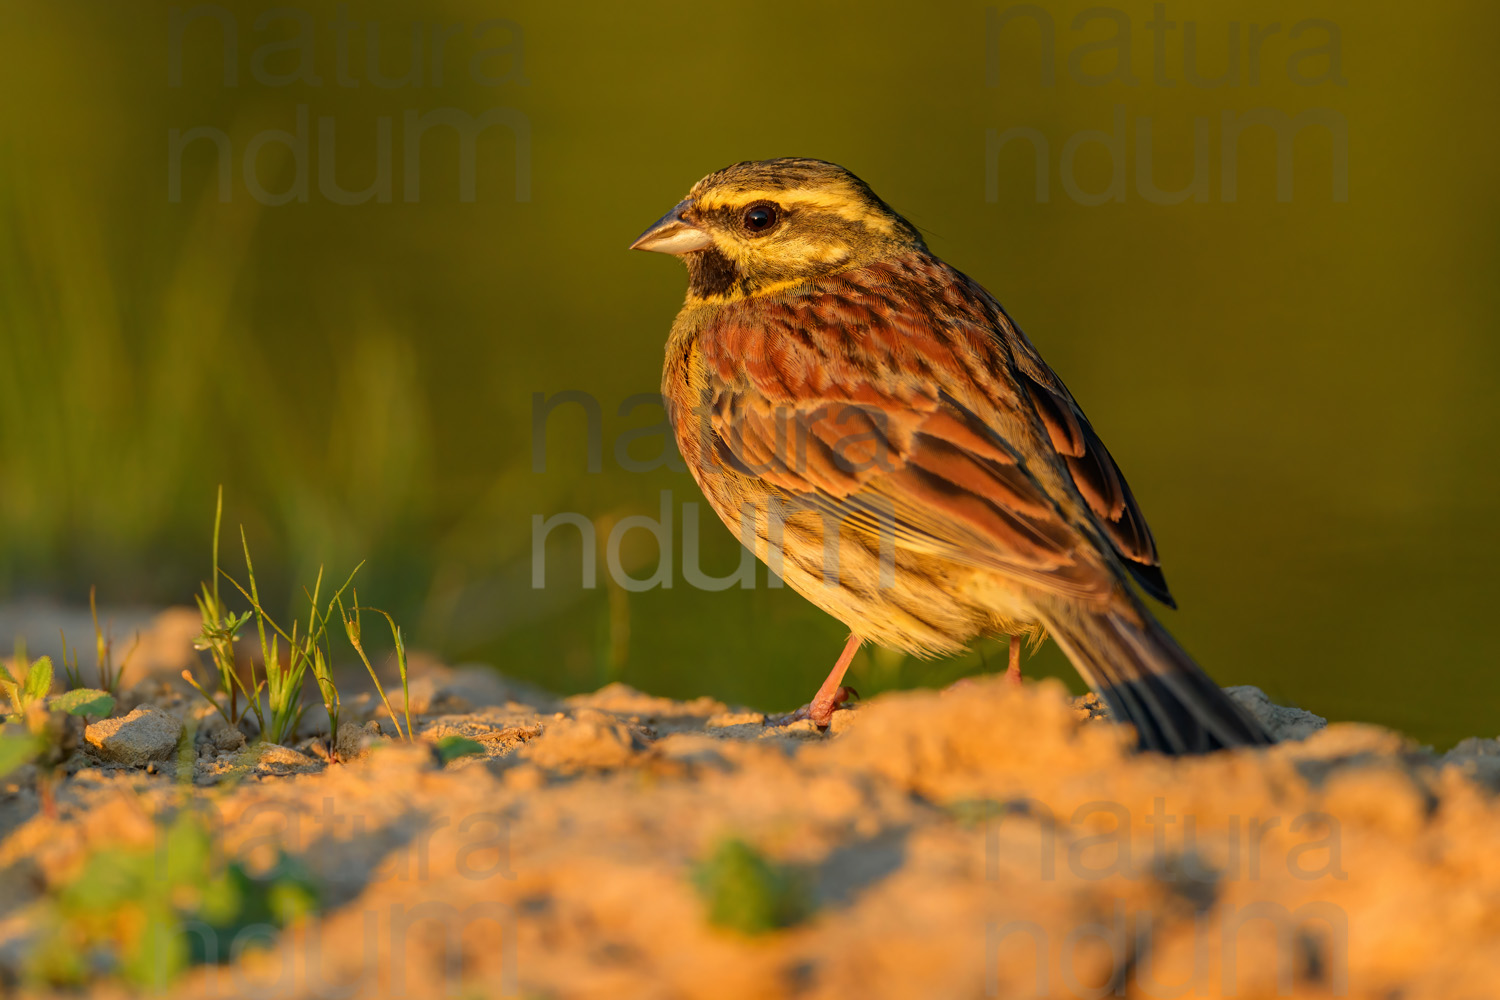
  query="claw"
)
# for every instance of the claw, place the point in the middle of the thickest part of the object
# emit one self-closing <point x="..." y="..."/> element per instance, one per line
<point x="820" y="711"/>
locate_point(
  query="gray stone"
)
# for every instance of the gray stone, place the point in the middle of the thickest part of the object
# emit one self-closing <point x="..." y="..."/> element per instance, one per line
<point x="1283" y="722"/>
<point x="146" y="734"/>
<point x="1478" y="758"/>
<point x="273" y="758"/>
<point x="355" y="740"/>
<point x="216" y="735"/>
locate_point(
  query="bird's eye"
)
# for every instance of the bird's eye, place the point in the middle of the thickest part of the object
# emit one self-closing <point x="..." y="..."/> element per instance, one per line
<point x="760" y="217"/>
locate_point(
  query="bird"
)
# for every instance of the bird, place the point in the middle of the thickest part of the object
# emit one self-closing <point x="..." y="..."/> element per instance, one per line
<point x="876" y="428"/>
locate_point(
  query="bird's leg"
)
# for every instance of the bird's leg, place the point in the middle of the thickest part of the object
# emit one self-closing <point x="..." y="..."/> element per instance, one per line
<point x="832" y="695"/>
<point x="1012" y="672"/>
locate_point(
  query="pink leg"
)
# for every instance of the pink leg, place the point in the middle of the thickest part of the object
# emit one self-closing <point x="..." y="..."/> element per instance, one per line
<point x="833" y="693"/>
<point x="1012" y="672"/>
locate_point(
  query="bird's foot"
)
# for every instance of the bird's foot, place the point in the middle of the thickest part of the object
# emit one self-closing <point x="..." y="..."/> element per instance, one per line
<point x="820" y="710"/>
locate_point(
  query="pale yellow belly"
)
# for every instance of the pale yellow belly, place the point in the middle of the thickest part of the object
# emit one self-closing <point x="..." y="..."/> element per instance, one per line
<point x="889" y="595"/>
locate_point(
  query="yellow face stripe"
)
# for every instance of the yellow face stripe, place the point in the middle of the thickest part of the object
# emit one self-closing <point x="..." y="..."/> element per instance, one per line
<point x="735" y="295"/>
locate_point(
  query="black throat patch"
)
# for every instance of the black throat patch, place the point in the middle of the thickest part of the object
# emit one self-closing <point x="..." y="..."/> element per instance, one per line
<point x="711" y="273"/>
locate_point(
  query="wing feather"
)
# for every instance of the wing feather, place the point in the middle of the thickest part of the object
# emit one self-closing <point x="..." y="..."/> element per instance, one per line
<point x="871" y="415"/>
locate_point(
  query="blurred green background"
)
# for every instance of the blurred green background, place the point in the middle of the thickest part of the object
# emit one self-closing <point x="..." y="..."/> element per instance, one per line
<point x="1302" y="391"/>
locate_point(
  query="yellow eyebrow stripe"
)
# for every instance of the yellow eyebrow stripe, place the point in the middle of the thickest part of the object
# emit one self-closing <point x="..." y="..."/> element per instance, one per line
<point x="832" y="201"/>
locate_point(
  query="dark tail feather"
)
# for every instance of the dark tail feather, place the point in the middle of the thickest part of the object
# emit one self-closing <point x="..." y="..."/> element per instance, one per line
<point x="1147" y="680"/>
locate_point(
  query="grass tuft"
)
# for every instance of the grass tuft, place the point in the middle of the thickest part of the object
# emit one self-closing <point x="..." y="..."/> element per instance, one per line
<point x="72" y="673"/>
<point x="109" y="674"/>
<point x="354" y="630"/>
<point x="220" y="631"/>
<point x="276" y="697"/>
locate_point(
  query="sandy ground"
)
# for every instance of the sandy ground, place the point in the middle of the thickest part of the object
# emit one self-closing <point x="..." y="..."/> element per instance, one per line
<point x="993" y="841"/>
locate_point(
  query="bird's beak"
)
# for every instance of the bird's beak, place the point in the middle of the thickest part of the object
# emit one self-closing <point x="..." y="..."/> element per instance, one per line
<point x="672" y="233"/>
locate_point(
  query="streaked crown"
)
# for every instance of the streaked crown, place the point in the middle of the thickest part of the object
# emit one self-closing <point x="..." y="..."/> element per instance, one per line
<point x="765" y="224"/>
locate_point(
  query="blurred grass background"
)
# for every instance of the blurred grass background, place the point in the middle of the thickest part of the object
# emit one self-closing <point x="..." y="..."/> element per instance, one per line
<point x="1302" y="392"/>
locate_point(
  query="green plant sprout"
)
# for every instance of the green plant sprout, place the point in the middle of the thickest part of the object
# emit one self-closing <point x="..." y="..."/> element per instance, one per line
<point x="220" y="630"/>
<point x="286" y="657"/>
<point x="72" y="673"/>
<point x="323" y="674"/>
<point x="451" y="748"/>
<point x="283" y="683"/>
<point x="31" y="683"/>
<point x="352" y="629"/>
<point x="109" y="675"/>
<point x="35" y="731"/>
<point x="150" y="912"/>
<point x="745" y="891"/>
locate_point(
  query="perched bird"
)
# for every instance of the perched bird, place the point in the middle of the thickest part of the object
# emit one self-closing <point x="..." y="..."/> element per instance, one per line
<point x="874" y="426"/>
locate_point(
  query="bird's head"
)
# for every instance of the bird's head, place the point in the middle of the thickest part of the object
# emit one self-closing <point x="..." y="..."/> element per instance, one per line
<point x="764" y="223"/>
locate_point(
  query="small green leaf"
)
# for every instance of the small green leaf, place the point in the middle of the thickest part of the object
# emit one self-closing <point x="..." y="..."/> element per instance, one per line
<point x="84" y="701"/>
<point x="748" y="892"/>
<point x="17" y="747"/>
<point x="450" y="748"/>
<point x="39" y="679"/>
<point x="290" y="900"/>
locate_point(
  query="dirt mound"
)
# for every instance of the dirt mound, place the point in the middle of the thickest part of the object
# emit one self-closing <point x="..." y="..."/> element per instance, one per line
<point x="994" y="841"/>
